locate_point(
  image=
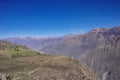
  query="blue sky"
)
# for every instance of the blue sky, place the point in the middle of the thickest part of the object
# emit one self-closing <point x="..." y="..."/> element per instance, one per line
<point x="56" y="17"/>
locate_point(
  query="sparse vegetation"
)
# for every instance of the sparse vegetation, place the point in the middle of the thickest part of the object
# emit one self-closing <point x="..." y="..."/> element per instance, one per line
<point x="15" y="50"/>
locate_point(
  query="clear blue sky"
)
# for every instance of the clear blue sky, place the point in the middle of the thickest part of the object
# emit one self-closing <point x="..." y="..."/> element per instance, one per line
<point x="56" y="17"/>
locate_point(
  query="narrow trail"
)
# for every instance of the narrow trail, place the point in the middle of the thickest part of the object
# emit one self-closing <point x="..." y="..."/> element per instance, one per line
<point x="45" y="63"/>
<point x="53" y="59"/>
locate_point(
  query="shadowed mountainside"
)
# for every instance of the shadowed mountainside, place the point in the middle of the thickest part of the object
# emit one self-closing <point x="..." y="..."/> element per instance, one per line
<point x="106" y="56"/>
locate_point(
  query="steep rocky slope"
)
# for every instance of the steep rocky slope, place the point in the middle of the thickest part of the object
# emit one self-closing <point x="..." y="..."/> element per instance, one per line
<point x="104" y="59"/>
<point x="39" y="66"/>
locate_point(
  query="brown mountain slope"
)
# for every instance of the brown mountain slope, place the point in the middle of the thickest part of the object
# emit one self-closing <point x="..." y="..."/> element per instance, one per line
<point x="40" y="66"/>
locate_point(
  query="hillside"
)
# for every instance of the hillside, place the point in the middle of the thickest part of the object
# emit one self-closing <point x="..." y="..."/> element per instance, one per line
<point x="30" y="65"/>
<point x="8" y="50"/>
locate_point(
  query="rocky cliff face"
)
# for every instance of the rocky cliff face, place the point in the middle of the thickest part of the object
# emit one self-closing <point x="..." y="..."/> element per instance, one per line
<point x="104" y="59"/>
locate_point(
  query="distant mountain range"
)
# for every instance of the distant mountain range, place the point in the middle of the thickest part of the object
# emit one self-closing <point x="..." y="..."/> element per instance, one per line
<point x="33" y="42"/>
<point x="99" y="49"/>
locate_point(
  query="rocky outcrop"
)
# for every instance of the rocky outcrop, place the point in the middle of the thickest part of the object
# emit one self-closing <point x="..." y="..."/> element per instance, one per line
<point x="106" y="75"/>
<point x="5" y="77"/>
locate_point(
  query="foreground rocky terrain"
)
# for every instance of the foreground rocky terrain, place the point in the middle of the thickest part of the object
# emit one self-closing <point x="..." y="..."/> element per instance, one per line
<point x="24" y="64"/>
